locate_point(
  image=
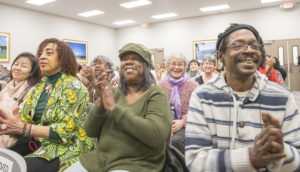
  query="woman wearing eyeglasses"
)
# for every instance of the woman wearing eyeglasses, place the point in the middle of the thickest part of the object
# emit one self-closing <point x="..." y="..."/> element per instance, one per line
<point x="209" y="65"/>
<point x="179" y="89"/>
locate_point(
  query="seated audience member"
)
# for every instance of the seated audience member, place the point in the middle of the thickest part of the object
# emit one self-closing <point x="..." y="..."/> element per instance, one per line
<point x="54" y="111"/>
<point x="242" y="121"/>
<point x="179" y="89"/>
<point x="193" y="69"/>
<point x="132" y="120"/>
<point x="162" y="71"/>
<point x="79" y="67"/>
<point x="115" y="81"/>
<point x="4" y="77"/>
<point x="25" y="73"/>
<point x="266" y="68"/>
<point x="219" y="67"/>
<point x="280" y="72"/>
<point x="86" y="76"/>
<point x="99" y="65"/>
<point x="209" y="65"/>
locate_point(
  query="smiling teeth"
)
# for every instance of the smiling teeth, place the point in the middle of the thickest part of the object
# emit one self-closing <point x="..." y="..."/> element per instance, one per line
<point x="247" y="61"/>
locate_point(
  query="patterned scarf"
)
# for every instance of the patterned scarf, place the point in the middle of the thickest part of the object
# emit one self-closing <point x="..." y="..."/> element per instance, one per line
<point x="174" y="99"/>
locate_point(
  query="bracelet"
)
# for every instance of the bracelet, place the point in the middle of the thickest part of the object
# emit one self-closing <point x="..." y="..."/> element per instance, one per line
<point x="30" y="130"/>
<point x="26" y="130"/>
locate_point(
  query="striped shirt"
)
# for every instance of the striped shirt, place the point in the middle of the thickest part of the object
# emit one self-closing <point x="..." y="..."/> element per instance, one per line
<point x="221" y="126"/>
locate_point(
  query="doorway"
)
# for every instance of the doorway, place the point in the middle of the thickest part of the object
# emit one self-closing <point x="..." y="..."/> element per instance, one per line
<point x="287" y="51"/>
<point x="157" y="56"/>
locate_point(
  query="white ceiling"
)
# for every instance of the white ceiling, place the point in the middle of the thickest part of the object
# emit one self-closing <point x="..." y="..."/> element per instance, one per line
<point x="114" y="12"/>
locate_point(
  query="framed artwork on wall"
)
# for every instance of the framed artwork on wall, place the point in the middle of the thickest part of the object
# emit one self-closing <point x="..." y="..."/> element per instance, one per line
<point x="203" y="47"/>
<point x="80" y="49"/>
<point x="4" y="47"/>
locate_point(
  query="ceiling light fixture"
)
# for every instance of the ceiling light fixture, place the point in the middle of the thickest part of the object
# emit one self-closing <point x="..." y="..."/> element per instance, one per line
<point x="269" y="1"/>
<point x="134" y="4"/>
<point x="91" y="13"/>
<point x="123" y="22"/>
<point x="215" y="8"/>
<point x="39" y="2"/>
<point x="167" y="15"/>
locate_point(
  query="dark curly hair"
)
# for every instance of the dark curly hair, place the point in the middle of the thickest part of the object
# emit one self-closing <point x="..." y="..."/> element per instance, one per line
<point x="35" y="75"/>
<point x="188" y="66"/>
<point x="223" y="40"/>
<point x="66" y="57"/>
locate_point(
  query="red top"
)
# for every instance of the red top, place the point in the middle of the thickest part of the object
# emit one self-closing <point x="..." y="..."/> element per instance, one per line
<point x="273" y="76"/>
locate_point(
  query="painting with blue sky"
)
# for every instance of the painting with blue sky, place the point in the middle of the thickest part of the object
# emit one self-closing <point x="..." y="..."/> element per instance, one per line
<point x="4" y="47"/>
<point x="80" y="49"/>
<point x="201" y="48"/>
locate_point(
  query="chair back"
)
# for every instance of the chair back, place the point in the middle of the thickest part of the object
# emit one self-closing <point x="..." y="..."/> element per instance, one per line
<point x="11" y="161"/>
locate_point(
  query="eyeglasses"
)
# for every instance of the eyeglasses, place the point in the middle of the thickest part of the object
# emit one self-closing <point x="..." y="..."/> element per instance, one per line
<point x="242" y="46"/>
<point x="178" y="64"/>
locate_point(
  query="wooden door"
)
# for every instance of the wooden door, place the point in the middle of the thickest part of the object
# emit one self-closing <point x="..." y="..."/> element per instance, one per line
<point x="157" y="55"/>
<point x="288" y="53"/>
<point x="293" y="51"/>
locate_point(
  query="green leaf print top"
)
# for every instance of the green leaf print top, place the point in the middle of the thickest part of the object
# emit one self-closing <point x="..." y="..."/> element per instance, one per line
<point x="65" y="113"/>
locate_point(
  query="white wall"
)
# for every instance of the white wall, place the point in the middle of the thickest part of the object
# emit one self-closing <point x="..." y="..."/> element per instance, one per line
<point x="177" y="36"/>
<point x="28" y="28"/>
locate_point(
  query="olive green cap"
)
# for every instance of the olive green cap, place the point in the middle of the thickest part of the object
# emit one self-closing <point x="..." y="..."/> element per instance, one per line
<point x="139" y="49"/>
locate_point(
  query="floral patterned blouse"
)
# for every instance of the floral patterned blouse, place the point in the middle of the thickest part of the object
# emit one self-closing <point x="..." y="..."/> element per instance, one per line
<point x="65" y="113"/>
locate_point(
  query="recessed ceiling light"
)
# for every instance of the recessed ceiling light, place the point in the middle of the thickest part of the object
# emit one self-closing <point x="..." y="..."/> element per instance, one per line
<point x="268" y="1"/>
<point x="39" y="2"/>
<point x="215" y="8"/>
<point x="90" y="13"/>
<point x="138" y="3"/>
<point x="123" y="22"/>
<point x="161" y="16"/>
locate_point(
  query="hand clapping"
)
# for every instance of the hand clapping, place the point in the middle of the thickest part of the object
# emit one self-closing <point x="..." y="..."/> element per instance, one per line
<point x="268" y="145"/>
<point x="104" y="89"/>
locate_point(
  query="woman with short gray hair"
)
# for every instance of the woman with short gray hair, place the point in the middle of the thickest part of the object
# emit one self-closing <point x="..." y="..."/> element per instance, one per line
<point x="98" y="65"/>
<point x="209" y="65"/>
<point x="179" y="89"/>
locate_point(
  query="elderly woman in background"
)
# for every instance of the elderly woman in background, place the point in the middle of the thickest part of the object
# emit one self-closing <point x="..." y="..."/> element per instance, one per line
<point x="102" y="63"/>
<point x="179" y="89"/>
<point x="54" y="111"/>
<point x="209" y="65"/>
<point x="193" y="69"/>
<point x="132" y="120"/>
<point x="98" y="66"/>
<point x="25" y="73"/>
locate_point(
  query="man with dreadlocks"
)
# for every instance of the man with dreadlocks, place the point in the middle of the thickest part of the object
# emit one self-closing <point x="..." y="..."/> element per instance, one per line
<point x="242" y="121"/>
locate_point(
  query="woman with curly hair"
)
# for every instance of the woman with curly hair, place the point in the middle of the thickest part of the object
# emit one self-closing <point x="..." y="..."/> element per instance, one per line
<point x="54" y="111"/>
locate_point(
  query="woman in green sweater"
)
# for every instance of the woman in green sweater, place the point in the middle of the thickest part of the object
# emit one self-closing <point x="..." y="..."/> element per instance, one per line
<point x="54" y="112"/>
<point x="133" y="122"/>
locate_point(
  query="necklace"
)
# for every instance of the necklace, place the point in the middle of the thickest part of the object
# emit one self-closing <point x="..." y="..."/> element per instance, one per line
<point x="49" y="89"/>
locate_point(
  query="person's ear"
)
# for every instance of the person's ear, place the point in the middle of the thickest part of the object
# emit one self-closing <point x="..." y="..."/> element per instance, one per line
<point x="220" y="57"/>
